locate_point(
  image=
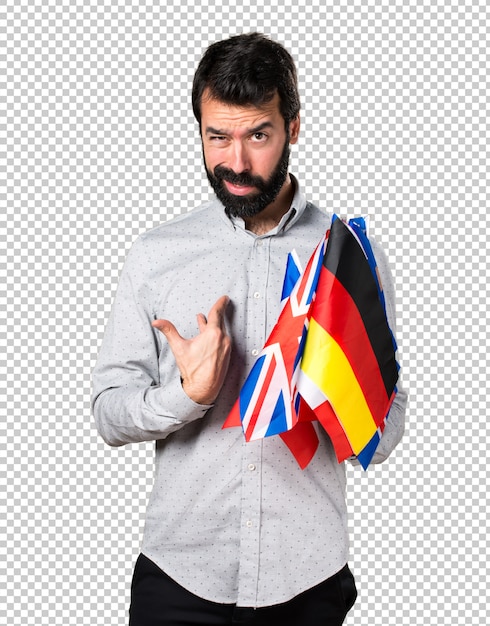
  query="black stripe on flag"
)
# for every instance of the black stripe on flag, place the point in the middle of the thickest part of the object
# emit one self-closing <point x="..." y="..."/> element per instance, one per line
<point x="345" y="258"/>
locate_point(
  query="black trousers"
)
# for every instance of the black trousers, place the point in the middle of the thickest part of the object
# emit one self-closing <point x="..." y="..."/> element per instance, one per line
<point x="157" y="600"/>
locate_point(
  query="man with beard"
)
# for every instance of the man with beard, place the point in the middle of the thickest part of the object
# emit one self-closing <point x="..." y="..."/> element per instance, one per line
<point x="236" y="533"/>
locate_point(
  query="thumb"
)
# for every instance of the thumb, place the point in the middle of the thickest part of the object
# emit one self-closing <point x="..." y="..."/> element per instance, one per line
<point x="168" y="329"/>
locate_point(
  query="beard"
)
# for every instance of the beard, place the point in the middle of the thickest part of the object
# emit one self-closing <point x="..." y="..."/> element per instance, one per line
<point x="254" y="203"/>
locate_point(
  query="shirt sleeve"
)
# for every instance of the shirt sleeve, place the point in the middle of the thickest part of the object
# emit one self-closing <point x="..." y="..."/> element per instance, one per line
<point x="395" y="424"/>
<point x="135" y="396"/>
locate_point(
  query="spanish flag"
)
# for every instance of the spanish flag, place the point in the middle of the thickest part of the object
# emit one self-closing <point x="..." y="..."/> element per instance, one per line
<point x="347" y="371"/>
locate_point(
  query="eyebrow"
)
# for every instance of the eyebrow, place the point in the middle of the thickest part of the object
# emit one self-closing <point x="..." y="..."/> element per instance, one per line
<point x="257" y="129"/>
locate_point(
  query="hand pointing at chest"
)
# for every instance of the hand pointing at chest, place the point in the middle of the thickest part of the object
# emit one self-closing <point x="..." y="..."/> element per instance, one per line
<point x="202" y="360"/>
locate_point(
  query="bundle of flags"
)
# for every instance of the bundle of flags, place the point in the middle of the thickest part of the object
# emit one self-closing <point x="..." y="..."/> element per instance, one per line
<point x="330" y="357"/>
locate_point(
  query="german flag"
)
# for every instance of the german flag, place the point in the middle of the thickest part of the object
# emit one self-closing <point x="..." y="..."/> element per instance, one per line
<point x="348" y="371"/>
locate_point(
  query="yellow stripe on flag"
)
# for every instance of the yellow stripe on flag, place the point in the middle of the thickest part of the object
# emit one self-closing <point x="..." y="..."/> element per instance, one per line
<point x="327" y="367"/>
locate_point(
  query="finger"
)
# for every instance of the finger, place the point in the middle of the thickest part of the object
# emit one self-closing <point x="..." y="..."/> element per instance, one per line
<point x="217" y="313"/>
<point x="202" y="322"/>
<point x="168" y="329"/>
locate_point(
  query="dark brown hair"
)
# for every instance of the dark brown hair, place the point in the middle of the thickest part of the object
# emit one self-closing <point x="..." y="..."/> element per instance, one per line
<point x="247" y="70"/>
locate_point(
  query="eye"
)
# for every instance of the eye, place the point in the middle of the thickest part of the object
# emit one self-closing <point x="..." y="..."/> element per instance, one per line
<point x="259" y="137"/>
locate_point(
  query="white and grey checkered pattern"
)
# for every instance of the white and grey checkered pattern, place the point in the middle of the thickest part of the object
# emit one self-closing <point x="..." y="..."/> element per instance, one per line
<point x="99" y="144"/>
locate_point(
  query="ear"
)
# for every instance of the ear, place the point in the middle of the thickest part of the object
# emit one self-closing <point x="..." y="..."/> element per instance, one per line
<point x="294" y="126"/>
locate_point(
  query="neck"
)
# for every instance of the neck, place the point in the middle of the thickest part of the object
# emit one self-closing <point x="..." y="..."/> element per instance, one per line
<point x="270" y="217"/>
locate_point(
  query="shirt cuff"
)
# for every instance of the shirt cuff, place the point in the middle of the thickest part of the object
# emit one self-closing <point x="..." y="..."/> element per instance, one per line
<point x="171" y="399"/>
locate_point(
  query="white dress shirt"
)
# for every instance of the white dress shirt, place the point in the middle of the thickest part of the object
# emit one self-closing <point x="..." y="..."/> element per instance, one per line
<point x="230" y="521"/>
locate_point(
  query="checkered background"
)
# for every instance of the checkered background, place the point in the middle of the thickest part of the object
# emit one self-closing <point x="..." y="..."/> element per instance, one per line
<point x="99" y="144"/>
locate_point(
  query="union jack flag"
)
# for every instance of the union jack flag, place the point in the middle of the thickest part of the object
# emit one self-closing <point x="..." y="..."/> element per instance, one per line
<point x="264" y="406"/>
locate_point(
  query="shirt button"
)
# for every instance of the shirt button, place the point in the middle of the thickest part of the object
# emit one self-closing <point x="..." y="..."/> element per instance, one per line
<point x="249" y="524"/>
<point x="256" y="295"/>
<point x="255" y="352"/>
<point x="251" y="467"/>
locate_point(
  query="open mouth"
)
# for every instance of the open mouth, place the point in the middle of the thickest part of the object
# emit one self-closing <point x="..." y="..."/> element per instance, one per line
<point x="239" y="190"/>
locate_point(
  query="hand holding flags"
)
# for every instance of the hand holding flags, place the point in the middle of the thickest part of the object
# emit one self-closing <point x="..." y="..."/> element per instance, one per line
<point x="344" y="371"/>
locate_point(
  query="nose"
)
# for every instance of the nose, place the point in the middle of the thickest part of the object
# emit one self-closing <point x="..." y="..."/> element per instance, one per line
<point x="239" y="159"/>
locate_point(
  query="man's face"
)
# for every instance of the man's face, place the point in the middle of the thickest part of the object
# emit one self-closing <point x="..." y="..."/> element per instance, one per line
<point x="246" y="153"/>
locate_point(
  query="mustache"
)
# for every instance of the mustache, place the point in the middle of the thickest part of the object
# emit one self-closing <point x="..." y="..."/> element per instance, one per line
<point x="243" y="178"/>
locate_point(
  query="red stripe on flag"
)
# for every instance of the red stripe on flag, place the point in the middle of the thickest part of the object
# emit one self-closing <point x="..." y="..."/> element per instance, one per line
<point x="310" y="269"/>
<point x="337" y="313"/>
<point x="327" y="418"/>
<point x="302" y="441"/>
<point x="286" y="333"/>
<point x="302" y="286"/>
<point x="260" y="400"/>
